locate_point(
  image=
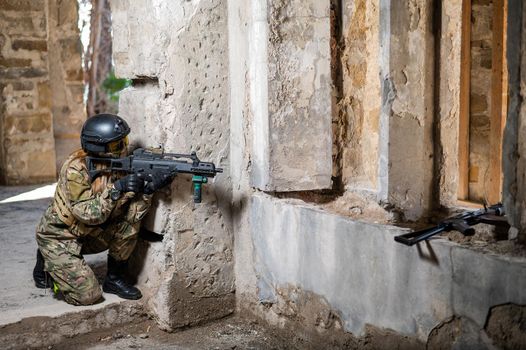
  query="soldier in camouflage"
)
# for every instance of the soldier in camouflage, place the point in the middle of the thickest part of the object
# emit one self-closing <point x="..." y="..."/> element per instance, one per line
<point x="88" y="217"/>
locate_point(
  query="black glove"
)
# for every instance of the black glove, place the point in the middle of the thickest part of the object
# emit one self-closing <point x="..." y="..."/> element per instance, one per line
<point x="130" y="183"/>
<point x="156" y="182"/>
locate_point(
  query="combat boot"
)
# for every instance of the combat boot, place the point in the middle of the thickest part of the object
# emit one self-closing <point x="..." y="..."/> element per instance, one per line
<point x="114" y="282"/>
<point x="42" y="278"/>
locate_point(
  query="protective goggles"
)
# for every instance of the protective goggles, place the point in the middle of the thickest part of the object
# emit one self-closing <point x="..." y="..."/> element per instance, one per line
<point x="118" y="146"/>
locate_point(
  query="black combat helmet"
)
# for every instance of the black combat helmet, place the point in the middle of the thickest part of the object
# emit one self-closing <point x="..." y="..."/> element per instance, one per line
<point x="104" y="135"/>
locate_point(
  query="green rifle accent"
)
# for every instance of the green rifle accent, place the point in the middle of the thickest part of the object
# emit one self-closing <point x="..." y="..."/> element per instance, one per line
<point x="198" y="181"/>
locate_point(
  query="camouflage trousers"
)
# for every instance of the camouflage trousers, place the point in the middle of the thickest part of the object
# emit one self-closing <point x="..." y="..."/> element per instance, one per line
<point x="63" y="252"/>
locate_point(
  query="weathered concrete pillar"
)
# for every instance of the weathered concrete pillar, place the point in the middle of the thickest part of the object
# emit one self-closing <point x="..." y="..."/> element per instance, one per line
<point x="446" y="144"/>
<point x="65" y="76"/>
<point x="177" y="57"/>
<point x="406" y="121"/>
<point x="27" y="149"/>
<point x="280" y="110"/>
<point x="514" y="145"/>
<point x="290" y="95"/>
<point x="359" y="110"/>
<point x="239" y="20"/>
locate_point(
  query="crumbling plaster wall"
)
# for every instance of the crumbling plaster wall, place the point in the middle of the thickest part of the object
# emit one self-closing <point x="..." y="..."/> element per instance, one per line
<point x="290" y="95"/>
<point x="177" y="58"/>
<point x="514" y="149"/>
<point x="361" y="96"/>
<point x="406" y="121"/>
<point x="41" y="87"/>
<point x="447" y="131"/>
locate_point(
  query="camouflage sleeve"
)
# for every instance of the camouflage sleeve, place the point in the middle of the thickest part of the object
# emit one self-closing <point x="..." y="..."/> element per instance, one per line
<point x="138" y="209"/>
<point x="86" y="206"/>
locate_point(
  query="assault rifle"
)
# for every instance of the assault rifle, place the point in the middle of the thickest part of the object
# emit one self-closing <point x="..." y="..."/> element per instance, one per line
<point x="146" y="162"/>
<point x="493" y="215"/>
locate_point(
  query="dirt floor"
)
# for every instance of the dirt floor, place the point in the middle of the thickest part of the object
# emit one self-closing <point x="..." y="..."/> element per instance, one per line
<point x="233" y="332"/>
<point x="228" y="333"/>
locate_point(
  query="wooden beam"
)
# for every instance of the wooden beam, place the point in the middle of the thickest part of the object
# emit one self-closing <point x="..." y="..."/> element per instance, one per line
<point x="497" y="117"/>
<point x="465" y="79"/>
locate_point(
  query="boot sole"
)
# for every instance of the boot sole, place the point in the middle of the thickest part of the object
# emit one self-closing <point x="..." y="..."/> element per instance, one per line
<point x="110" y="290"/>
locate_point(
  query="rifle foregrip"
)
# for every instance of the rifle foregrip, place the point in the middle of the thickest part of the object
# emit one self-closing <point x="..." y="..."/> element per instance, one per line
<point x="197" y="192"/>
<point x="198" y="182"/>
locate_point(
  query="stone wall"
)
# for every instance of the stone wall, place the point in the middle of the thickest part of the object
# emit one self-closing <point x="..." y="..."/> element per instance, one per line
<point x="178" y="61"/>
<point x="27" y="150"/>
<point x="41" y="88"/>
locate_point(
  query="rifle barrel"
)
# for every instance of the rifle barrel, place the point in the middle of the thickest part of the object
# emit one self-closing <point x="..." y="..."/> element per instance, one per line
<point x="412" y="238"/>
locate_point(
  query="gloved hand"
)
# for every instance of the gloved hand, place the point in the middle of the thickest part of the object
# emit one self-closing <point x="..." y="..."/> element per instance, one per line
<point x="156" y="182"/>
<point x="130" y="183"/>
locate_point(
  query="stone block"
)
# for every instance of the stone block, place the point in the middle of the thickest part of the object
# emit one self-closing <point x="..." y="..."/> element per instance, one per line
<point x="291" y="95"/>
<point x="15" y="62"/>
<point x="134" y="55"/>
<point x="75" y="74"/>
<point x="44" y="95"/>
<point x="17" y="73"/>
<point x="29" y="161"/>
<point x="22" y="5"/>
<point x="36" y="45"/>
<point x="41" y="163"/>
<point x="24" y="24"/>
<point x="68" y="13"/>
<point x="478" y="104"/>
<point x="22" y="85"/>
<point x="77" y="92"/>
<point x="70" y="51"/>
<point x="16" y="125"/>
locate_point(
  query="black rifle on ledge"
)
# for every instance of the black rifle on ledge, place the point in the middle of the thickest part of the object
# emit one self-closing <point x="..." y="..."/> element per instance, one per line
<point x="492" y="215"/>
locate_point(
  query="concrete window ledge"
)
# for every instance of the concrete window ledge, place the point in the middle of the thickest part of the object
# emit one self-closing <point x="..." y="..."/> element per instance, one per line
<point x="368" y="278"/>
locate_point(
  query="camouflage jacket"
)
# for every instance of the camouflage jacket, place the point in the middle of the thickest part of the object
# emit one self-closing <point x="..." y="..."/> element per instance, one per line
<point x="86" y="211"/>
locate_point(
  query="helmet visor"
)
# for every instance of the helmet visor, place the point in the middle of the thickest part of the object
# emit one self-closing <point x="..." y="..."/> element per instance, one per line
<point x="119" y="146"/>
